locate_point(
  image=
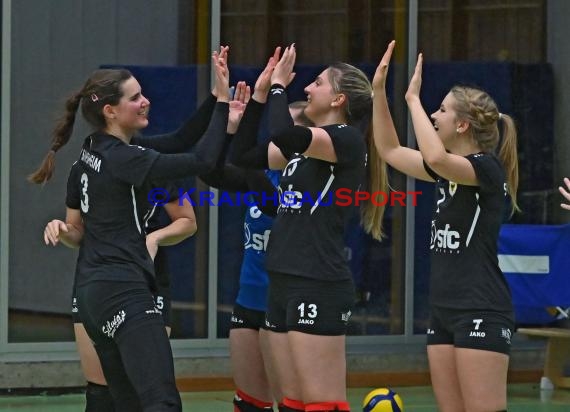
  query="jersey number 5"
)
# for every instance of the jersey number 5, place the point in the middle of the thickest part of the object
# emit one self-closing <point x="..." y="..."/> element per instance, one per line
<point x="84" y="195"/>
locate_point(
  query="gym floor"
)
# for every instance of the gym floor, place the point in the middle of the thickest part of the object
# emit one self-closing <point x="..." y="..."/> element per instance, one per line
<point x="522" y="398"/>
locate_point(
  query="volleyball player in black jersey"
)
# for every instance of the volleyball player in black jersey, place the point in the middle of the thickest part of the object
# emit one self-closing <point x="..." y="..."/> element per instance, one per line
<point x="471" y="321"/>
<point x="256" y="387"/>
<point x="566" y="193"/>
<point x="311" y="292"/>
<point x="182" y="225"/>
<point x="114" y="268"/>
<point x="98" y="397"/>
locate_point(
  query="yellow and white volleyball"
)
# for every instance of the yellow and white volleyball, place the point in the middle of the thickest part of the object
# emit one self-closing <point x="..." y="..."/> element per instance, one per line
<point x="382" y="400"/>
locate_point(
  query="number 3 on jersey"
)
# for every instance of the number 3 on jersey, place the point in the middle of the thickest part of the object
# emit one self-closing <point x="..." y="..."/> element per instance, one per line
<point x="84" y="196"/>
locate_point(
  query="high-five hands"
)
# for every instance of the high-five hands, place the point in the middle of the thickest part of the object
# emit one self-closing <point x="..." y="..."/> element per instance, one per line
<point x="222" y="74"/>
<point x="283" y="73"/>
<point x="242" y="94"/>
<point x="379" y="80"/>
<point x="416" y="81"/>
<point x="263" y="82"/>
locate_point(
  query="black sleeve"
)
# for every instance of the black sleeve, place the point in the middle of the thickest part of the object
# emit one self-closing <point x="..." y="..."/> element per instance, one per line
<point x="202" y="159"/>
<point x="489" y="171"/>
<point x="149" y="198"/>
<point x="280" y="120"/>
<point x="186" y="136"/>
<point x="263" y="191"/>
<point x="245" y="152"/>
<point x="173" y="188"/>
<point x="348" y="142"/>
<point x="213" y="178"/>
<point x="295" y="139"/>
<point x="278" y="110"/>
<point x="131" y="164"/>
<point x="227" y="177"/>
<point x="162" y="191"/>
<point x="73" y="196"/>
<point x="255" y="158"/>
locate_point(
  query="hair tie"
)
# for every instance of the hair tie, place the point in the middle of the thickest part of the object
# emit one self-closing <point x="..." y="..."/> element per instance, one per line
<point x="500" y="115"/>
<point x="52" y="151"/>
<point x="94" y="97"/>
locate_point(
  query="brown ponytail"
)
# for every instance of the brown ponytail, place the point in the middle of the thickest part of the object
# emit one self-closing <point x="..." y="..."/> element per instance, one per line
<point x="102" y="87"/>
<point x="352" y="82"/>
<point x="371" y="213"/>
<point x="61" y="135"/>
<point x="477" y="107"/>
<point x="509" y="157"/>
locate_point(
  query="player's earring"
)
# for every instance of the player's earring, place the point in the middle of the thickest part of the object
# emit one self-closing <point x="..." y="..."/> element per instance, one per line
<point x="457" y="130"/>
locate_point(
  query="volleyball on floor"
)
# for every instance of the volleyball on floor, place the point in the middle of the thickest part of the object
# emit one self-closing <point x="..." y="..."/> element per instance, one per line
<point x="382" y="400"/>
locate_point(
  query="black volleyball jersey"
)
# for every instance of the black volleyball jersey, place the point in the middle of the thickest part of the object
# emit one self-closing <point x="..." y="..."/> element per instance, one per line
<point x="307" y="235"/>
<point x="465" y="271"/>
<point x="102" y="185"/>
<point x="151" y="199"/>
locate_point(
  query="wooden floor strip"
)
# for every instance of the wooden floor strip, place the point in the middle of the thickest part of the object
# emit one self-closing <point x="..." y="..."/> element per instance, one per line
<point x="354" y="380"/>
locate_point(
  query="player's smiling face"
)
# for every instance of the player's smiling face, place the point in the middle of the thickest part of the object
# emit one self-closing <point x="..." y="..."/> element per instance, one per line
<point x="320" y="95"/>
<point x="445" y="120"/>
<point x="131" y="113"/>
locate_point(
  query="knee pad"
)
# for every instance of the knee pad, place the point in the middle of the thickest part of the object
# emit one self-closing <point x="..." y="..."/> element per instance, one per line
<point x="342" y="406"/>
<point x="291" y="405"/>
<point x="245" y="403"/>
<point x="98" y="398"/>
